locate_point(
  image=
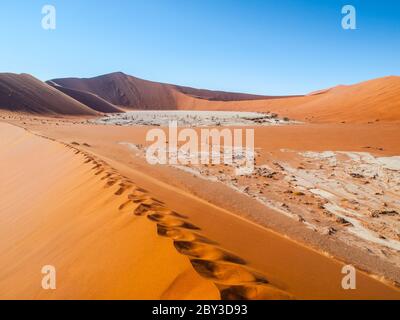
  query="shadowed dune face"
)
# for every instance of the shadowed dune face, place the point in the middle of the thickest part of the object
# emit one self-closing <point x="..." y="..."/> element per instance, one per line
<point x="122" y="90"/>
<point x="89" y="99"/>
<point x="25" y="93"/>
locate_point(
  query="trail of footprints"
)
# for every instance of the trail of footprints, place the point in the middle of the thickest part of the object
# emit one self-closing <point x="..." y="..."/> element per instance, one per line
<point x="229" y="272"/>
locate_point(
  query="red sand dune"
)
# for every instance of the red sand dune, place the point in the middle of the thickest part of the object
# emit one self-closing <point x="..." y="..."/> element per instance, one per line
<point x="373" y="100"/>
<point x="89" y="99"/>
<point x="131" y="92"/>
<point x="25" y="93"/>
<point x="377" y="99"/>
<point x="370" y="101"/>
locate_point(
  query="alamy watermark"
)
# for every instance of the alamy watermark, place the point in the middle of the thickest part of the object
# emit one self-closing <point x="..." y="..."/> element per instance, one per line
<point x="349" y="21"/>
<point x="49" y="17"/>
<point x="188" y="146"/>
<point x="349" y="280"/>
<point x="49" y="277"/>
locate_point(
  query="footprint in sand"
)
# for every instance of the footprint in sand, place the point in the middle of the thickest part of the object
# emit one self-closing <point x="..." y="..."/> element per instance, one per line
<point x="110" y="183"/>
<point x="225" y="269"/>
<point x="122" y="188"/>
<point x="97" y="166"/>
<point x="99" y="172"/>
<point x="182" y="234"/>
<point x="228" y="271"/>
<point x="253" y="292"/>
<point x="108" y="175"/>
<point x="224" y="272"/>
<point x="170" y="221"/>
<point x="206" y="251"/>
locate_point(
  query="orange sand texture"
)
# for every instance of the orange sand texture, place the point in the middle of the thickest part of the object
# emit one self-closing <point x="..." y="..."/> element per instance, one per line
<point x="115" y="228"/>
<point x="57" y="211"/>
<point x="110" y="239"/>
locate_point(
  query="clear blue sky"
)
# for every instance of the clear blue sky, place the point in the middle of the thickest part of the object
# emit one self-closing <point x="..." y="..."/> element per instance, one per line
<point x="259" y="46"/>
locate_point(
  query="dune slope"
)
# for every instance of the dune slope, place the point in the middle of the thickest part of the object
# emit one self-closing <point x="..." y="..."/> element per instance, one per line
<point x="89" y="99"/>
<point x="370" y="101"/>
<point x="374" y="100"/>
<point x="106" y="236"/>
<point x="75" y="219"/>
<point x="124" y="90"/>
<point x="25" y="93"/>
<point x="87" y="214"/>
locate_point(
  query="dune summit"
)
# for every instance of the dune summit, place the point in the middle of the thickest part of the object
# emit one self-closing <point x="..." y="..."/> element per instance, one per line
<point x="131" y="92"/>
<point x="89" y="99"/>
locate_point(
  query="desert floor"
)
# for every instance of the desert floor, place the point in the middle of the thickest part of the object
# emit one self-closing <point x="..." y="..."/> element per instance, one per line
<point x="76" y="195"/>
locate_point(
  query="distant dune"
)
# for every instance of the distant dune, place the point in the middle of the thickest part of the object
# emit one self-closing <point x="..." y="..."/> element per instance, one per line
<point x="374" y="100"/>
<point x="25" y="93"/>
<point x="370" y="101"/>
<point x="88" y="99"/>
<point x="131" y="92"/>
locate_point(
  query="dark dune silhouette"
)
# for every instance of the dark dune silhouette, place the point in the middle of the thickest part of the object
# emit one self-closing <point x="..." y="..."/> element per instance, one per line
<point x="89" y="99"/>
<point x="24" y="93"/>
<point x="131" y="92"/>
